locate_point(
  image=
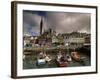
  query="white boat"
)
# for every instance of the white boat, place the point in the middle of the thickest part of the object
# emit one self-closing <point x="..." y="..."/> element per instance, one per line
<point x="69" y="59"/>
<point x="41" y="61"/>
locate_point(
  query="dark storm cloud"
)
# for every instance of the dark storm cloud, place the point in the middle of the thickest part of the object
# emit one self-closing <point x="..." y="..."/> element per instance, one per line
<point x="59" y="21"/>
<point x="31" y="19"/>
<point x="31" y="22"/>
<point x="68" y="22"/>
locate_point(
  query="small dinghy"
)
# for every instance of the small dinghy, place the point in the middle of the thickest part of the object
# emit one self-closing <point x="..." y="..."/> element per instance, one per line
<point x="41" y="61"/>
<point x="69" y="59"/>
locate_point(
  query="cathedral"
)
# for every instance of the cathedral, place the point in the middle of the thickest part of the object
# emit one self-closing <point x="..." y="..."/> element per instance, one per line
<point x="45" y="37"/>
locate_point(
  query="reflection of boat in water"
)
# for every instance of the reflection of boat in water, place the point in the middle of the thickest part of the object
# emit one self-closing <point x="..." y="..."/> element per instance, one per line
<point x="75" y="56"/>
<point x="62" y="62"/>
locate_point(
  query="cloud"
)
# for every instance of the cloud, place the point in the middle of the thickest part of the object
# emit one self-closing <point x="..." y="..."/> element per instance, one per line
<point x="59" y="21"/>
<point x="68" y="22"/>
<point x="31" y="22"/>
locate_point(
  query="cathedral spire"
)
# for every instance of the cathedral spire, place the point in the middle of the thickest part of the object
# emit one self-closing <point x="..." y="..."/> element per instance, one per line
<point x="41" y="26"/>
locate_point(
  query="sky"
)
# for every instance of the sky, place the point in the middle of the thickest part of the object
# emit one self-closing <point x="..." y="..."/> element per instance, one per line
<point x="61" y="22"/>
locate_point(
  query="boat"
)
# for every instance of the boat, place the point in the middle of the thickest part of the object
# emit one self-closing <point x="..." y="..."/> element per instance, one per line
<point x="75" y="56"/>
<point x="41" y="61"/>
<point x="69" y="59"/>
<point x="61" y="62"/>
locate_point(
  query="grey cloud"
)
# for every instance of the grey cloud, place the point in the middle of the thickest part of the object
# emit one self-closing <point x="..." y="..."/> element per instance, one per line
<point x="68" y="22"/>
<point x="59" y="21"/>
<point x="31" y="19"/>
<point x="31" y="22"/>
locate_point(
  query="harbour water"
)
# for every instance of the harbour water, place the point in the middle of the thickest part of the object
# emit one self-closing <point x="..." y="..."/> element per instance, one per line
<point x="30" y="61"/>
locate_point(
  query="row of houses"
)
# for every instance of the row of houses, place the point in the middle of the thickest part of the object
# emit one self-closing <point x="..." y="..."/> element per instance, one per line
<point x="49" y="37"/>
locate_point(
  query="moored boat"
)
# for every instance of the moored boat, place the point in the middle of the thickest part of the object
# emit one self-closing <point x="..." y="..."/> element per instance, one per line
<point x="41" y="61"/>
<point x="75" y="56"/>
<point x="62" y="62"/>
